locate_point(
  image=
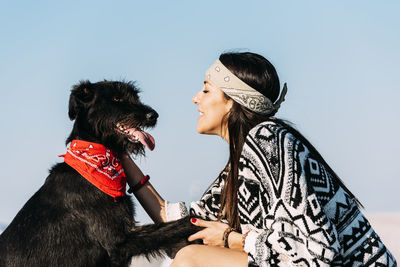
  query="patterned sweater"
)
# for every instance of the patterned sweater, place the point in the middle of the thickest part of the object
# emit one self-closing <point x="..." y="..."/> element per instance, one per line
<point x="296" y="212"/>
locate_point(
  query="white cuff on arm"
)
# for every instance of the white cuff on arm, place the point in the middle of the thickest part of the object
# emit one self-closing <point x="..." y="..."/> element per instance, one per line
<point x="255" y="245"/>
<point x="175" y="211"/>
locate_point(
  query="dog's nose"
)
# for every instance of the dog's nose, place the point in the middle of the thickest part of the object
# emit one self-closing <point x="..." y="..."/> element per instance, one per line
<point x="152" y="115"/>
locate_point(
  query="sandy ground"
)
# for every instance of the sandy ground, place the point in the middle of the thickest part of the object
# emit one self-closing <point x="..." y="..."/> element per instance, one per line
<point x="387" y="225"/>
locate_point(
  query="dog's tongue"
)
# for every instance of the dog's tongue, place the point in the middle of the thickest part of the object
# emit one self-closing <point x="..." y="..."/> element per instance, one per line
<point x="144" y="138"/>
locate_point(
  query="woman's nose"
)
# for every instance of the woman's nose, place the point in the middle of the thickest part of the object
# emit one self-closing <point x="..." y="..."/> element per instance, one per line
<point x="195" y="99"/>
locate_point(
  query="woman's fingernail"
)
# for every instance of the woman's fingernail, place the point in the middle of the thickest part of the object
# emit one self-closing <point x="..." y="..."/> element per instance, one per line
<point x="193" y="220"/>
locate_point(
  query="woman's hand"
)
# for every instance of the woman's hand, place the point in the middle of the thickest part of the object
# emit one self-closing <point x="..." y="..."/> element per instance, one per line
<point x="212" y="234"/>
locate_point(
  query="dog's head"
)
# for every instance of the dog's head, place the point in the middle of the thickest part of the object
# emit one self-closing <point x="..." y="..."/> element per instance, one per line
<point x="111" y="113"/>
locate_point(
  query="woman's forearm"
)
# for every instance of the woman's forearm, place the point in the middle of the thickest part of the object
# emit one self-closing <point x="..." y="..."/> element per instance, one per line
<point x="152" y="202"/>
<point x="147" y="196"/>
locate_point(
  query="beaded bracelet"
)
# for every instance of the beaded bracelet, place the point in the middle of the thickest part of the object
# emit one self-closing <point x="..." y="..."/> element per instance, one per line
<point x="226" y="236"/>
<point x="244" y="238"/>
<point x="137" y="186"/>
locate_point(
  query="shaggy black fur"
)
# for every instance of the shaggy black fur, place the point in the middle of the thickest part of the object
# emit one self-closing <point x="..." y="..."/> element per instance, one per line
<point x="68" y="221"/>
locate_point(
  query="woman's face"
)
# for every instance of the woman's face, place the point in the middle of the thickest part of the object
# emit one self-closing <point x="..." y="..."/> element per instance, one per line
<point x="213" y="106"/>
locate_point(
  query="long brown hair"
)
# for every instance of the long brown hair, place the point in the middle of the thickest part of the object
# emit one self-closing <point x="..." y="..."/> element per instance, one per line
<point x="260" y="74"/>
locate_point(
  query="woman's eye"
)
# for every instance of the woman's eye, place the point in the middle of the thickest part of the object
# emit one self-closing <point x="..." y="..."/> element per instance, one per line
<point x="205" y="91"/>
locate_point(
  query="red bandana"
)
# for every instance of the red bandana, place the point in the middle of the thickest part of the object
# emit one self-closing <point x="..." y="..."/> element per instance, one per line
<point x="98" y="165"/>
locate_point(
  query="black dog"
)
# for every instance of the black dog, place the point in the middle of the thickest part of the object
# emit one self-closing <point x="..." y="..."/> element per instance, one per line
<point x="68" y="221"/>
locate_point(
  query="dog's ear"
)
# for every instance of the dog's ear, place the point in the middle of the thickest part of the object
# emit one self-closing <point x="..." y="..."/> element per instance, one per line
<point x="81" y="93"/>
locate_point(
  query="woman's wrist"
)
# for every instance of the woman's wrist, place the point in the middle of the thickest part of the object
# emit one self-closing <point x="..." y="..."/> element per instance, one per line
<point x="134" y="188"/>
<point x="235" y="241"/>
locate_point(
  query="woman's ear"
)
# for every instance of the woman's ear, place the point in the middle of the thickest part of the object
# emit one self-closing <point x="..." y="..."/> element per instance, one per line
<point x="80" y="94"/>
<point x="229" y="104"/>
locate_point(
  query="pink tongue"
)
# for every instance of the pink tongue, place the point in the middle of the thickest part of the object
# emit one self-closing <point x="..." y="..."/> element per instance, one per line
<point x="144" y="138"/>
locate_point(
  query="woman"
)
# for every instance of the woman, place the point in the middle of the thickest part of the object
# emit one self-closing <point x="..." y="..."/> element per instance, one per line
<point x="277" y="202"/>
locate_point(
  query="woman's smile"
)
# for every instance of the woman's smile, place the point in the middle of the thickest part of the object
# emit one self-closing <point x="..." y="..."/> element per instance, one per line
<point x="213" y="108"/>
<point x="201" y="114"/>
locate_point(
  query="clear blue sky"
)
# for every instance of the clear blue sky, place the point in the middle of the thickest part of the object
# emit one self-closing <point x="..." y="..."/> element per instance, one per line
<point x="340" y="59"/>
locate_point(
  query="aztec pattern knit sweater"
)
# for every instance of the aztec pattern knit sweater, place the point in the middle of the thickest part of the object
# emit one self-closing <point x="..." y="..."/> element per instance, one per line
<point x="296" y="212"/>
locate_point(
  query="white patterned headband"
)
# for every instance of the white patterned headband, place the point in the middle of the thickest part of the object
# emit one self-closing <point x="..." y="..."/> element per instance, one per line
<point x="242" y="93"/>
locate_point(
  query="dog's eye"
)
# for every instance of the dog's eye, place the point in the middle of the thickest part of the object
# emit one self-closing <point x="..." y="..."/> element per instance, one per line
<point x="117" y="99"/>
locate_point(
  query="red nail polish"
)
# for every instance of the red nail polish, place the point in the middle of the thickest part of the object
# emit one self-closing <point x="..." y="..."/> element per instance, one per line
<point x="193" y="220"/>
